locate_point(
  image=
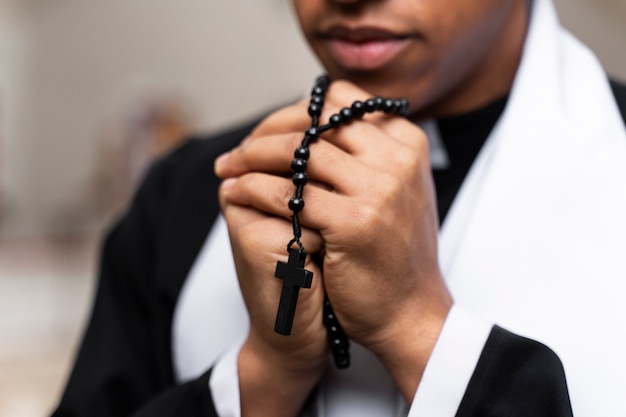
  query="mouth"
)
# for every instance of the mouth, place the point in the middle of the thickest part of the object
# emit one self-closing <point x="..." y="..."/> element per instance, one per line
<point x="363" y="48"/>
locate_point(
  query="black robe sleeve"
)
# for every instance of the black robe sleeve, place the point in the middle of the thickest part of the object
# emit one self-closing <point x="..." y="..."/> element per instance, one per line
<point x="124" y="364"/>
<point x="516" y="377"/>
<point x="191" y="399"/>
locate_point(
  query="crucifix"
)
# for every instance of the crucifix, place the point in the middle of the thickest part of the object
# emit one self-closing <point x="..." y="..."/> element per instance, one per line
<point x="294" y="277"/>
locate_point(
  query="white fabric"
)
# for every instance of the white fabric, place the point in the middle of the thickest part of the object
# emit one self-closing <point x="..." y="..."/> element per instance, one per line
<point x="365" y="389"/>
<point x="210" y="315"/>
<point x="534" y="241"/>
<point x="224" y="384"/>
<point x="451" y="365"/>
<point x="536" y="238"/>
<point x="436" y="148"/>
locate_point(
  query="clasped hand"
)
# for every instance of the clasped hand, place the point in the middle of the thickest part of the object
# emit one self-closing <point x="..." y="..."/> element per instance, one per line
<point x="370" y="213"/>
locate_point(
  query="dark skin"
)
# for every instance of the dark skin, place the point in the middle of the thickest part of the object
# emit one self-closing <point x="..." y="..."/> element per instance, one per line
<point x="370" y="209"/>
<point x="458" y="54"/>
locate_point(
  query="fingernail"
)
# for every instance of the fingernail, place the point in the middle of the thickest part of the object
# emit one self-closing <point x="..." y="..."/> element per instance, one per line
<point x="219" y="162"/>
<point x="228" y="183"/>
<point x="245" y="140"/>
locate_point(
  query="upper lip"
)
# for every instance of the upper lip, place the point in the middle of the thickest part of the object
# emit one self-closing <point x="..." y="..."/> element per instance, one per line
<point x="359" y="34"/>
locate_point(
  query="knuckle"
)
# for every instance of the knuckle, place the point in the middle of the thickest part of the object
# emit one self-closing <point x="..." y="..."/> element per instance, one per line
<point x="406" y="159"/>
<point x="242" y="186"/>
<point x="340" y="87"/>
<point x="325" y="155"/>
<point x="274" y="121"/>
<point x="421" y="143"/>
<point x="266" y="124"/>
<point x="282" y="196"/>
<point x="295" y="140"/>
<point x="395" y="186"/>
<point x="411" y="163"/>
<point x="343" y="92"/>
<point x="392" y="193"/>
<point x="360" y="219"/>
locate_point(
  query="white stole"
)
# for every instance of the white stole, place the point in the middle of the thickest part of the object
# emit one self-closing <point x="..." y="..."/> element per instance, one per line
<point x="536" y="239"/>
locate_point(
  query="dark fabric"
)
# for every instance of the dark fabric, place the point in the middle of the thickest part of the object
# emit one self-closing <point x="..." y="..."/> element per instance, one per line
<point x="516" y="377"/>
<point x="124" y="364"/>
<point x="187" y="400"/>
<point x="125" y="359"/>
<point x="463" y="137"/>
<point x="619" y="91"/>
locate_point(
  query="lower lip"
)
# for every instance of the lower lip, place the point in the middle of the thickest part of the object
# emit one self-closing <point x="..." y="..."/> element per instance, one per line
<point x="365" y="55"/>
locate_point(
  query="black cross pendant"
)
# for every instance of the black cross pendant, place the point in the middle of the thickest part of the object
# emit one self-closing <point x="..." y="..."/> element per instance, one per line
<point x="294" y="277"/>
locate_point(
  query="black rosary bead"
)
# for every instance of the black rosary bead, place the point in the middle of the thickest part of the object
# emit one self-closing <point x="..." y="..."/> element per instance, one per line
<point x="405" y="106"/>
<point x="319" y="100"/>
<point x="342" y="358"/>
<point x="398" y="104"/>
<point x="296" y="204"/>
<point x="310" y="136"/>
<point x="389" y="106"/>
<point x="301" y="152"/>
<point x="322" y="82"/>
<point x="335" y="120"/>
<point x="358" y="108"/>
<point x="314" y="110"/>
<point x="338" y="342"/>
<point x="300" y="178"/>
<point x="346" y="115"/>
<point x="317" y="91"/>
<point x="370" y="105"/>
<point x="298" y="165"/>
<point x="379" y="103"/>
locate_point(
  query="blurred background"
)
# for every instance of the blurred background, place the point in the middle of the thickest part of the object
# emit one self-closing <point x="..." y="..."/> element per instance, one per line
<point x="92" y="91"/>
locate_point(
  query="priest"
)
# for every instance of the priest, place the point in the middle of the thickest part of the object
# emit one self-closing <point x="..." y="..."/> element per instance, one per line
<point x="471" y="252"/>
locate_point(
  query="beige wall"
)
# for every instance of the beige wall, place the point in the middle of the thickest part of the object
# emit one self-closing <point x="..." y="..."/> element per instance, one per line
<point x="601" y="24"/>
<point x="84" y="65"/>
<point x="71" y="69"/>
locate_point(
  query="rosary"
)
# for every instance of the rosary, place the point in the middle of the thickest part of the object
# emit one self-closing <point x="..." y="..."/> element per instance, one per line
<point x="292" y="273"/>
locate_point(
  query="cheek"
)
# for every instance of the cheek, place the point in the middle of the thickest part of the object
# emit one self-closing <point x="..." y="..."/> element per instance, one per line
<point x="465" y="33"/>
<point x="306" y="12"/>
<point x="481" y="24"/>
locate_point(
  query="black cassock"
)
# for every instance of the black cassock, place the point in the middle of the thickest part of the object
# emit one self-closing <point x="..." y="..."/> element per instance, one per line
<point x="124" y="366"/>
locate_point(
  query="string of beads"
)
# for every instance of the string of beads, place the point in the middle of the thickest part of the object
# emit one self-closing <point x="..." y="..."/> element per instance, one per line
<point x="337" y="339"/>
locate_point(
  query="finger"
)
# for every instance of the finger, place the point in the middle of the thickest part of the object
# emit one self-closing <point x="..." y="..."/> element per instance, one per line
<point x="405" y="132"/>
<point x="293" y="118"/>
<point x="359" y="137"/>
<point x="374" y="149"/>
<point x="341" y="94"/>
<point x="271" y="194"/>
<point x="274" y="153"/>
<point x="248" y="228"/>
<point x="377" y="139"/>
<point x="271" y="154"/>
<point x="258" y="243"/>
<point x="327" y="165"/>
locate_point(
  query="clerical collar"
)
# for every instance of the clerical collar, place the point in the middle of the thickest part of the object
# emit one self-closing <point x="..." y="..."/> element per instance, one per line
<point x="462" y="137"/>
